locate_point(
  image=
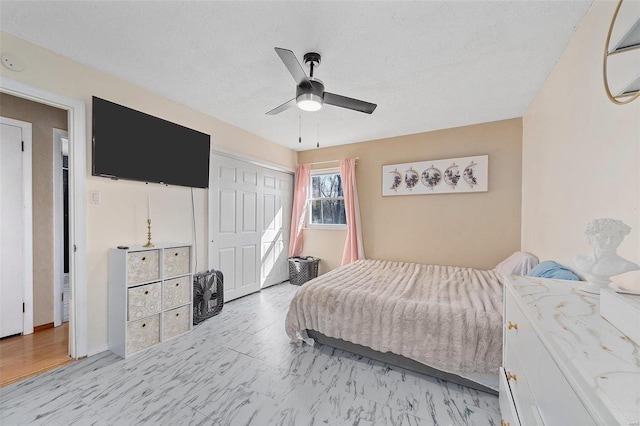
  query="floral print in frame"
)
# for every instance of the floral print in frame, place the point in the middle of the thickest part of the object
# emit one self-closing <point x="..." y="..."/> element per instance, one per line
<point x="454" y="175"/>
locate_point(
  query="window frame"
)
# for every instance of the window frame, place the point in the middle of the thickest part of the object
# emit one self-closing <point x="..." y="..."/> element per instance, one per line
<point x="310" y="199"/>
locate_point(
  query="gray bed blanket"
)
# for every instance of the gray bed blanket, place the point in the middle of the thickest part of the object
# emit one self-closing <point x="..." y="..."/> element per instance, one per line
<point x="446" y="317"/>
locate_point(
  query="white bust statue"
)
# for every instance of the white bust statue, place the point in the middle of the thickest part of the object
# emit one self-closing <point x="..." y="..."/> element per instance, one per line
<point x="604" y="235"/>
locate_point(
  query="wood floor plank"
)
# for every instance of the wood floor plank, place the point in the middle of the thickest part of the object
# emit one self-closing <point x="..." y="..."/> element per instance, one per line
<point x="26" y="356"/>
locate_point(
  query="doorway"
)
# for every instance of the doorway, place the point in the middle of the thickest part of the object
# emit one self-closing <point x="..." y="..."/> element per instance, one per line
<point x="30" y="291"/>
<point x="76" y="125"/>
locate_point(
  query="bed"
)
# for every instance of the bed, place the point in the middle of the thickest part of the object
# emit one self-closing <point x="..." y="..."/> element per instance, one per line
<point x="439" y="320"/>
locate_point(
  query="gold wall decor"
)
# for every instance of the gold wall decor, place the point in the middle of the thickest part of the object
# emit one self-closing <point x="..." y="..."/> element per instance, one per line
<point x="464" y="174"/>
<point x="621" y="62"/>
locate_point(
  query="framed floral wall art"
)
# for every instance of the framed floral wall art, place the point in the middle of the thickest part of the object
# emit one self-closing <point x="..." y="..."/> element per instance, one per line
<point x="465" y="174"/>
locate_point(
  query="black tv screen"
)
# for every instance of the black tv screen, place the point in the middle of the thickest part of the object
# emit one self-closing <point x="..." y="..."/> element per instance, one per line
<point x="129" y="144"/>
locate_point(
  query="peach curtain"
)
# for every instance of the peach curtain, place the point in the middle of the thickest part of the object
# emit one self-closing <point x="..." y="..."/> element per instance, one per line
<point x="353" y="247"/>
<point x="299" y="209"/>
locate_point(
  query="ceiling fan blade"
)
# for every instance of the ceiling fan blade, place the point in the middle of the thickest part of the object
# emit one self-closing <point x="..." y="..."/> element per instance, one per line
<point x="284" y="106"/>
<point x="294" y="67"/>
<point x="349" y="103"/>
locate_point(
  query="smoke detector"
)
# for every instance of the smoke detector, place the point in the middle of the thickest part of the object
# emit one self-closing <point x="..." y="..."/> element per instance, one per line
<point x="12" y="62"/>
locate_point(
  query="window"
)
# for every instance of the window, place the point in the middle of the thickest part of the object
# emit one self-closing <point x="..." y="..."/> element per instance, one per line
<point x="326" y="201"/>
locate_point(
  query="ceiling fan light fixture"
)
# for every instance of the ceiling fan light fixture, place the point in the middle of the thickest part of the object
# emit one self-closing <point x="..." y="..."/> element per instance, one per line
<point x="309" y="102"/>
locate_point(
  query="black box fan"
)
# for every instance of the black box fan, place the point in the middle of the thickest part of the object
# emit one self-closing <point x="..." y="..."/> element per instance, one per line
<point x="208" y="295"/>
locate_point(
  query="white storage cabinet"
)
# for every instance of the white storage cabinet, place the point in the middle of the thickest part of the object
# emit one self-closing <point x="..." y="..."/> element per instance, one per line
<point x="150" y="296"/>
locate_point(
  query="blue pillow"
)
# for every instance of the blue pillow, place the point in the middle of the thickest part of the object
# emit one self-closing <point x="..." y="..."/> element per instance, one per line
<point x="550" y="269"/>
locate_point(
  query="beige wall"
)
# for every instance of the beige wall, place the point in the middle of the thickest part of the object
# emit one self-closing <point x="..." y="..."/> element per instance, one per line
<point x="581" y="154"/>
<point x="120" y="218"/>
<point x="43" y="119"/>
<point x="473" y="229"/>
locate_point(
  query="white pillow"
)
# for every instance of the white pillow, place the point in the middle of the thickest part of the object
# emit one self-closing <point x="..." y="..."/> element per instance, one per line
<point x="519" y="263"/>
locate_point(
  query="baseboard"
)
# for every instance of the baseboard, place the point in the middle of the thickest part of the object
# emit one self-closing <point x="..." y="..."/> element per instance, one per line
<point x="42" y="327"/>
<point x="97" y="350"/>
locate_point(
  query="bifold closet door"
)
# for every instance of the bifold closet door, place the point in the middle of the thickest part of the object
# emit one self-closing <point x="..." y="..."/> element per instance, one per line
<point x="250" y="216"/>
<point x="276" y="219"/>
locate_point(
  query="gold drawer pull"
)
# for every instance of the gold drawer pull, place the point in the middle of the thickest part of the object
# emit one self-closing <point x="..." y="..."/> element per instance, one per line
<point x="503" y="423"/>
<point x="511" y="325"/>
<point x="512" y="376"/>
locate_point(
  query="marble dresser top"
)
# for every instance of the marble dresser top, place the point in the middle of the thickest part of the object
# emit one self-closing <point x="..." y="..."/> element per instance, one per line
<point x="601" y="364"/>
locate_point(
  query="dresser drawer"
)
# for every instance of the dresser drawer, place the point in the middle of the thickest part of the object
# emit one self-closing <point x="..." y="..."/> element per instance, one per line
<point x="517" y="380"/>
<point x="541" y="393"/>
<point x="177" y="261"/>
<point x="142" y="266"/>
<point x="143" y="333"/>
<point x="176" y="292"/>
<point x="519" y="367"/>
<point x="507" y="405"/>
<point x="175" y="322"/>
<point x="143" y="301"/>
<point x="557" y="402"/>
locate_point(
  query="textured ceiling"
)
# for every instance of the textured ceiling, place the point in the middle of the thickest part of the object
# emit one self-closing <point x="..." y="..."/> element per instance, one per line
<point x="427" y="64"/>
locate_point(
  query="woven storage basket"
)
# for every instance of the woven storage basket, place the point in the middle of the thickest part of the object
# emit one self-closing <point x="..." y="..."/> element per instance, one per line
<point x="302" y="269"/>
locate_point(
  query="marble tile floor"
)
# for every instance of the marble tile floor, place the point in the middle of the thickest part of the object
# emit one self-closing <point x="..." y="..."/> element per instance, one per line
<point x="238" y="368"/>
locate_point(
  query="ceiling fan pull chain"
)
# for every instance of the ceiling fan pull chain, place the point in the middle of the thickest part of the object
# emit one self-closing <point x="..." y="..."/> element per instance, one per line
<point x="299" y="127"/>
<point x="318" y="144"/>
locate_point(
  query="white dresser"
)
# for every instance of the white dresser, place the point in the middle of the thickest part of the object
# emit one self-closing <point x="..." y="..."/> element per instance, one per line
<point x="563" y="363"/>
<point x="150" y="296"/>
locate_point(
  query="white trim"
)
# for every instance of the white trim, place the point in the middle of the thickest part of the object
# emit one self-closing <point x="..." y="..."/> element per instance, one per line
<point x="329" y="161"/>
<point x="58" y="226"/>
<point x="322" y="226"/>
<point x="78" y="327"/>
<point x="319" y="227"/>
<point x="27" y="248"/>
<point x="325" y="171"/>
<point x="98" y="350"/>
<point x="251" y="160"/>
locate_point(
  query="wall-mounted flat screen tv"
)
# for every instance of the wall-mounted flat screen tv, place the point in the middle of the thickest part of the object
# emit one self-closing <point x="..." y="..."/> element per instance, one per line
<point x="129" y="144"/>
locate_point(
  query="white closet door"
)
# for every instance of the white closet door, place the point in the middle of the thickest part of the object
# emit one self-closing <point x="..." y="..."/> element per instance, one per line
<point x="11" y="231"/>
<point x="235" y="235"/>
<point x="250" y="217"/>
<point x="276" y="220"/>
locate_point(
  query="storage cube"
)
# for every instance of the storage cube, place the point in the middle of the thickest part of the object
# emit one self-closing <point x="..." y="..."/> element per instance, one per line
<point x="177" y="292"/>
<point x="175" y="322"/>
<point x="142" y="266"/>
<point x="177" y="261"/>
<point x="143" y="333"/>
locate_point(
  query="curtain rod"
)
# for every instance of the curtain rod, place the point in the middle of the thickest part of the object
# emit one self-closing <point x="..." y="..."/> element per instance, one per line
<point x="328" y="161"/>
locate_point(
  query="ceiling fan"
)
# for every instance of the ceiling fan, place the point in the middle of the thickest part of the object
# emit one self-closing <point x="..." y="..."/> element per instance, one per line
<point x="310" y="94"/>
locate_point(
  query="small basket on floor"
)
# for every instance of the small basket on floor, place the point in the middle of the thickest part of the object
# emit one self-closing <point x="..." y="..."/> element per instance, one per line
<point x="208" y="295"/>
<point x="302" y="269"/>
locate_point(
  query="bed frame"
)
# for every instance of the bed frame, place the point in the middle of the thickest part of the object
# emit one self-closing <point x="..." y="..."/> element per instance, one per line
<point x="396" y="360"/>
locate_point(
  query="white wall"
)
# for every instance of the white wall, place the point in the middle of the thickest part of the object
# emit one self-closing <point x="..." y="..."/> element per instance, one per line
<point x="581" y="154"/>
<point x="120" y="218"/>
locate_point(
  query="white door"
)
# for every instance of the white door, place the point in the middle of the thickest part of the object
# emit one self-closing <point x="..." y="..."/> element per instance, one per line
<point x="235" y="227"/>
<point x="12" y="225"/>
<point x="250" y="215"/>
<point x="276" y="220"/>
